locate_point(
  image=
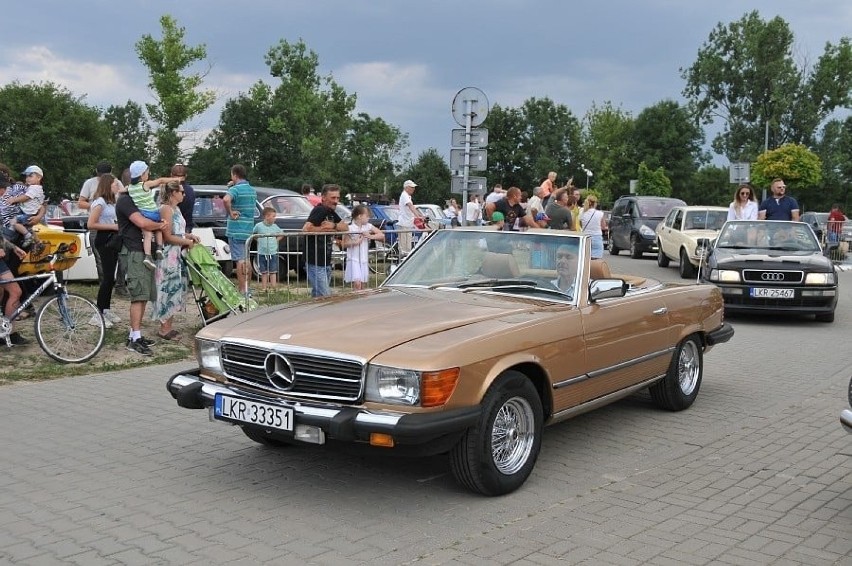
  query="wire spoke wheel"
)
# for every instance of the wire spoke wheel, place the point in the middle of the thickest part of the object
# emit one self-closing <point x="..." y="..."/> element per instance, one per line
<point x="513" y="435"/>
<point x="69" y="328"/>
<point x="688" y="367"/>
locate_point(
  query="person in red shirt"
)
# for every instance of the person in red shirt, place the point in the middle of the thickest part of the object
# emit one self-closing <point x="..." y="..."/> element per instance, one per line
<point x="836" y="218"/>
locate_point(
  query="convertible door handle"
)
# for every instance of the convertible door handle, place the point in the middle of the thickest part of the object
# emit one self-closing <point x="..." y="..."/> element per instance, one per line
<point x="661" y="310"/>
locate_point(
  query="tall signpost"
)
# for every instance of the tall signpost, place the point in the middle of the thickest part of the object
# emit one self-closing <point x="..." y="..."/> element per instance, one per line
<point x="469" y="109"/>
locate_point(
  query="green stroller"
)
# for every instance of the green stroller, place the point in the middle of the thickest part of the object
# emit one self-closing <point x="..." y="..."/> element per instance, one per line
<point x="215" y="295"/>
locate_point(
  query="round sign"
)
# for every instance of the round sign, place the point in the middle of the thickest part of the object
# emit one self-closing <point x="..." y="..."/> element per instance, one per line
<point x="478" y="106"/>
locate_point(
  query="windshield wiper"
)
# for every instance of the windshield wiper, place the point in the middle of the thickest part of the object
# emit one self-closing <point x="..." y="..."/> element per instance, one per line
<point x="499" y="283"/>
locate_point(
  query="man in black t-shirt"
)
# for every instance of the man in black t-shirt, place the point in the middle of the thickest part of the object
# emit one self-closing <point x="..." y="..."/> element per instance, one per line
<point x="513" y="211"/>
<point x="323" y="218"/>
<point x="140" y="279"/>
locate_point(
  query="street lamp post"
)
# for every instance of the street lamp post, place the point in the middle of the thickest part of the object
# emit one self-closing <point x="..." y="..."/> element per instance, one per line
<point x="588" y="173"/>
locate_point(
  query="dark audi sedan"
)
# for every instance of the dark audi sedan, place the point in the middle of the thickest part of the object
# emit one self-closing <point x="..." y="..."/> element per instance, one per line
<point x="772" y="266"/>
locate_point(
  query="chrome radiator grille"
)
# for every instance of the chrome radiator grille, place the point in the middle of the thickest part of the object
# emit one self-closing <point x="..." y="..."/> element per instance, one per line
<point x="313" y="376"/>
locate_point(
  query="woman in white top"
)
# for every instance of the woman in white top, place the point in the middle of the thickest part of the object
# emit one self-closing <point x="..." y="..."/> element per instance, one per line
<point x="744" y="206"/>
<point x="592" y="222"/>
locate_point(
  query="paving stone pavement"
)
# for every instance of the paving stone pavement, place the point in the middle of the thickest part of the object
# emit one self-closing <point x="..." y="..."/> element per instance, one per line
<point x="105" y="469"/>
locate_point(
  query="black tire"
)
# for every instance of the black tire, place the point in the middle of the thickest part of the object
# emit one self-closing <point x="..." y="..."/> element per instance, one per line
<point x="613" y="249"/>
<point x="262" y="437"/>
<point x="662" y="259"/>
<point x="635" y="250"/>
<point x="679" y="388"/>
<point x="825" y="317"/>
<point x="686" y="269"/>
<point x="496" y="456"/>
<point x="227" y="267"/>
<point x="69" y="328"/>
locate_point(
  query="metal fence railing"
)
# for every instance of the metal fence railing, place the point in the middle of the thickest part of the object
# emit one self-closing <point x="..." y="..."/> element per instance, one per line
<point x="297" y="248"/>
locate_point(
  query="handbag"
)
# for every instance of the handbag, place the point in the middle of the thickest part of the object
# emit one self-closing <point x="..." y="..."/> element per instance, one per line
<point x="115" y="242"/>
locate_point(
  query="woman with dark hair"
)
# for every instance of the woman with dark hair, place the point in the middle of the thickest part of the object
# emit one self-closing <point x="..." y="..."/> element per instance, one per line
<point x="744" y="206"/>
<point x="102" y="218"/>
<point x="186" y="207"/>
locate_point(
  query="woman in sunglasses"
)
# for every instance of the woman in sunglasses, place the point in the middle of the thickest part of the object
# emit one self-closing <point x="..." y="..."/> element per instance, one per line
<point x="744" y="206"/>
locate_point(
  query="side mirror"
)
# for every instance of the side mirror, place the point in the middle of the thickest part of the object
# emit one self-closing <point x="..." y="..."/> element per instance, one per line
<point x="607" y="289"/>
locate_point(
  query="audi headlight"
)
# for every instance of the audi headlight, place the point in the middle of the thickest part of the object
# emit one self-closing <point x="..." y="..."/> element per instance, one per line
<point x="392" y="385"/>
<point x="724" y="276"/>
<point x="647" y="232"/>
<point x="819" y="279"/>
<point x="209" y="357"/>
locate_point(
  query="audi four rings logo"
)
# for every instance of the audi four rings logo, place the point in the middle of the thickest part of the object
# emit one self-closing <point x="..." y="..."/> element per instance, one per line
<point x="279" y="371"/>
<point x="772" y="276"/>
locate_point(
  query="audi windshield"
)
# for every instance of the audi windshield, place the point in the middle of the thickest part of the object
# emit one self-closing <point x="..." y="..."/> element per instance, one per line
<point x="768" y="235"/>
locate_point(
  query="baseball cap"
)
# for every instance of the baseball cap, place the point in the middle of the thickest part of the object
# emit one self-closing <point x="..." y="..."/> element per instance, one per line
<point x="497" y="217"/>
<point x="137" y="168"/>
<point x="34" y="169"/>
<point x="409" y="183"/>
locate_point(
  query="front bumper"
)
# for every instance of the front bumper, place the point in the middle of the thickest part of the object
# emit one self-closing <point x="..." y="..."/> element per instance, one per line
<point x="338" y="422"/>
<point x="846" y="420"/>
<point x="737" y="299"/>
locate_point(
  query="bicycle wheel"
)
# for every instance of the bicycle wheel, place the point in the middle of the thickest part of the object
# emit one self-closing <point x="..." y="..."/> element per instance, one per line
<point x="69" y="328"/>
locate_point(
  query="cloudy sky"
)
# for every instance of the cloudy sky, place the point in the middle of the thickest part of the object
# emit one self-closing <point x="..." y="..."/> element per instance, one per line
<point x="404" y="60"/>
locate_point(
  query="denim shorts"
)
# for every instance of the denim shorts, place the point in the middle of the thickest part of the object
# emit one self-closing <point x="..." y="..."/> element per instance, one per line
<point x="151" y="215"/>
<point x="238" y="249"/>
<point x="267" y="263"/>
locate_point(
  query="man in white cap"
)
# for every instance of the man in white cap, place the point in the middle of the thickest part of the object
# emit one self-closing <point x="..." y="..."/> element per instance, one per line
<point x="407" y="213"/>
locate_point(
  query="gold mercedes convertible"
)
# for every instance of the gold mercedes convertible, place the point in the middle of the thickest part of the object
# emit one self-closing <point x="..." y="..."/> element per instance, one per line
<point x="470" y="347"/>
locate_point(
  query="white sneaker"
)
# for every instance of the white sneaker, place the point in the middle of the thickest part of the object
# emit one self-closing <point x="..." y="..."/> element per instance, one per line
<point x="111" y="316"/>
<point x="96" y="321"/>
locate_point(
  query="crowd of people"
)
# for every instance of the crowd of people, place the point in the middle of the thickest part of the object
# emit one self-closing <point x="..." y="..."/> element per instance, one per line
<point x="138" y="238"/>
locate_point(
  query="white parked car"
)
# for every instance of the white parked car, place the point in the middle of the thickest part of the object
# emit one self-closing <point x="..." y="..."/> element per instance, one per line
<point x="679" y="233"/>
<point x="84" y="269"/>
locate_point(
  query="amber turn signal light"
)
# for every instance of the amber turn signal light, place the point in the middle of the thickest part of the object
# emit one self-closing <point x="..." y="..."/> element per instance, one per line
<point x="380" y="439"/>
<point x="437" y="386"/>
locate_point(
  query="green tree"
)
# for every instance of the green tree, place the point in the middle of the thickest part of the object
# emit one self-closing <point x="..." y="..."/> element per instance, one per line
<point x="709" y="186"/>
<point x="46" y="125"/>
<point x="608" y="151"/>
<point x="797" y="165"/>
<point x="745" y="76"/>
<point x="130" y="132"/>
<point x="654" y="183"/>
<point x="666" y="135"/>
<point x="295" y="130"/>
<point x="178" y="92"/>
<point x="432" y="176"/>
<point x="371" y="152"/>
<point x="835" y="150"/>
<point x="526" y="143"/>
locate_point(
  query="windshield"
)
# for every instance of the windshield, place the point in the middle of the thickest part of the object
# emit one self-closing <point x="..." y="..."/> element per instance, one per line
<point x="705" y="219"/>
<point x="289" y="205"/>
<point x="541" y="264"/>
<point x="657" y="208"/>
<point x="764" y="235"/>
<point x="391" y="212"/>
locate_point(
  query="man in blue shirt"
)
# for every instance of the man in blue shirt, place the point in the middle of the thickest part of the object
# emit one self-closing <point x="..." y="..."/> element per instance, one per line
<point x="240" y="206"/>
<point x="779" y="206"/>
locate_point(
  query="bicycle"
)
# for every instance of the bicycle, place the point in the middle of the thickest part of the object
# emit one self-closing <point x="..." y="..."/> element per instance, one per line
<point x="64" y="324"/>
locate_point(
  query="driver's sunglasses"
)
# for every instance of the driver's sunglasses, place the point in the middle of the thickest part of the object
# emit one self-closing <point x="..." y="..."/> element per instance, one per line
<point x="746" y="193"/>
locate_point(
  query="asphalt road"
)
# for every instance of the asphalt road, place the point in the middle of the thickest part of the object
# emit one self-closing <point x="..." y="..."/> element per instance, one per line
<point x="105" y="469"/>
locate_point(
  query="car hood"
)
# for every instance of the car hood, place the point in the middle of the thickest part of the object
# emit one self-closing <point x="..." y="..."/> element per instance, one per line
<point x="772" y="260"/>
<point x="366" y="324"/>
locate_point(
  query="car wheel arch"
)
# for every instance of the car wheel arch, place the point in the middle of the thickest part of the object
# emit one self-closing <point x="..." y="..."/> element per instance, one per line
<point x="533" y="371"/>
